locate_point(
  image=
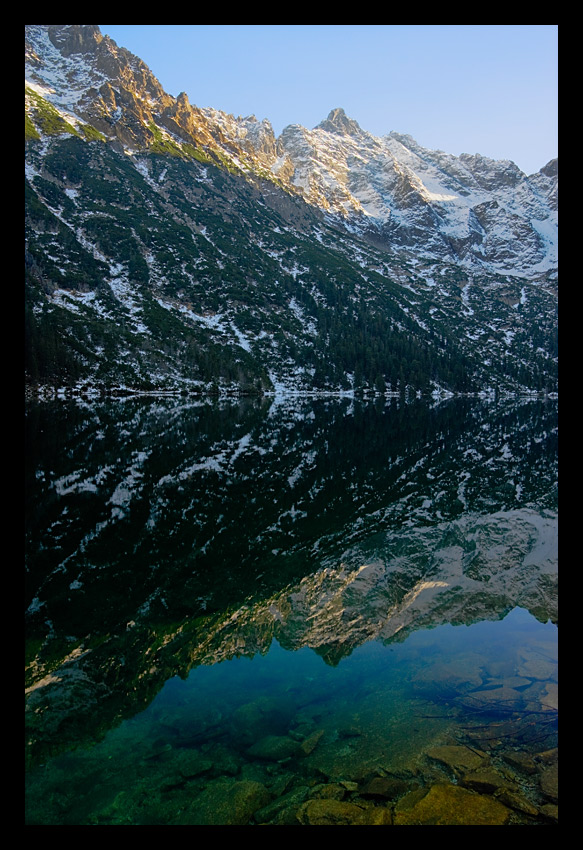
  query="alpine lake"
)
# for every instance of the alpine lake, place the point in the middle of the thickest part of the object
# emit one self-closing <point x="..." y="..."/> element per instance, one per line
<point x="291" y="611"/>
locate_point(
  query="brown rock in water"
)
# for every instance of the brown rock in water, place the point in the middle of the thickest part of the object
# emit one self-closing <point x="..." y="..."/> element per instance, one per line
<point x="550" y="811"/>
<point x="274" y="748"/>
<point x="550" y="697"/>
<point x="513" y="682"/>
<point x="465" y="670"/>
<point x="349" y="785"/>
<point x="376" y="816"/>
<point x="504" y="697"/>
<point x="549" y="781"/>
<point x="517" y="801"/>
<point x="226" y="803"/>
<point x="459" y="759"/>
<point x="548" y="756"/>
<point x="282" y="811"/>
<point x="535" y="667"/>
<point x="311" y="742"/>
<point x="329" y="791"/>
<point x="384" y="788"/>
<point x="487" y="780"/>
<point x="521" y="761"/>
<point x="338" y="813"/>
<point x="450" y="805"/>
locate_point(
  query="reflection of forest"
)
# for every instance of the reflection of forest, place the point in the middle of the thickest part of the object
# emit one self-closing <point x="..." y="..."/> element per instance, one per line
<point x="171" y="516"/>
<point x="138" y="501"/>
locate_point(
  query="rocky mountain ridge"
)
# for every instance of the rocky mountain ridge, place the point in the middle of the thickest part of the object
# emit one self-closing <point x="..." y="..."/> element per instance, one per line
<point x="392" y="223"/>
<point x="475" y="210"/>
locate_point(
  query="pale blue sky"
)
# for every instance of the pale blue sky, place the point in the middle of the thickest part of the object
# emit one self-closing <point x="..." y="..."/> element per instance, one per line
<point x="489" y="89"/>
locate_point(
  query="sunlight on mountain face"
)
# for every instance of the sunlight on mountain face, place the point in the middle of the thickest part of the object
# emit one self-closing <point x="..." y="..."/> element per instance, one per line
<point x="291" y="465"/>
<point x="334" y="258"/>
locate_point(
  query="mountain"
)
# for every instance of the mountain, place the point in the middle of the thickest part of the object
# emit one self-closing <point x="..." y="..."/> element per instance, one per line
<point x="170" y="247"/>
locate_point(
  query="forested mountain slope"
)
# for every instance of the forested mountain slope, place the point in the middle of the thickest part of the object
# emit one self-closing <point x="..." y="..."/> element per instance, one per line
<point x="174" y="248"/>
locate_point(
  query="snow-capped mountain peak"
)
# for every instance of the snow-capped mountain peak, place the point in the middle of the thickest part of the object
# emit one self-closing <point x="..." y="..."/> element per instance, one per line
<point x="194" y="247"/>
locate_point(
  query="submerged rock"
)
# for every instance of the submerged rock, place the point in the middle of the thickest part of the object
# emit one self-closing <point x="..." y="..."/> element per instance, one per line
<point x="536" y="667"/>
<point x="227" y="803"/>
<point x="282" y="811"/>
<point x="550" y="697"/>
<point x="549" y="781"/>
<point x="311" y="742"/>
<point x="341" y="813"/>
<point x="502" y="697"/>
<point x="190" y="763"/>
<point x="450" y="805"/>
<point x="458" y="759"/>
<point x="384" y="788"/>
<point x="329" y="791"/>
<point x="275" y="748"/>
<point x="550" y="811"/>
<point x="514" y="799"/>
<point x="523" y="762"/>
<point x="225" y="761"/>
<point x="487" y="780"/>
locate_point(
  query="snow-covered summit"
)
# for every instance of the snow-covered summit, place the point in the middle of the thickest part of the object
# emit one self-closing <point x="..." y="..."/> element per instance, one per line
<point x="172" y="246"/>
<point x="482" y="212"/>
<point x="485" y="214"/>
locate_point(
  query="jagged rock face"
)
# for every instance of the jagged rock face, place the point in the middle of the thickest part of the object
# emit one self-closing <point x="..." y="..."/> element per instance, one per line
<point x="76" y="38"/>
<point x="408" y="195"/>
<point x="138" y="195"/>
<point x="104" y="85"/>
<point x="522" y="234"/>
<point x="491" y="174"/>
<point x="338" y="122"/>
<point x="413" y="196"/>
<point x="117" y="93"/>
<point x="546" y="183"/>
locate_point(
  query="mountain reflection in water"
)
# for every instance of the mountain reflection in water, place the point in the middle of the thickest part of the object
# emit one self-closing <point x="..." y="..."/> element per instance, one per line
<point x="316" y="540"/>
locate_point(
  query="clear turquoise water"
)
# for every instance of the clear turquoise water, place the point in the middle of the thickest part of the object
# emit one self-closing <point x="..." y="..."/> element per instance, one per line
<point x="234" y="609"/>
<point x="379" y="711"/>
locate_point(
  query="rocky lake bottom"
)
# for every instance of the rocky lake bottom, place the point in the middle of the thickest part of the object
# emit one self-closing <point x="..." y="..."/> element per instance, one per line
<point x="291" y="612"/>
<point x="456" y="725"/>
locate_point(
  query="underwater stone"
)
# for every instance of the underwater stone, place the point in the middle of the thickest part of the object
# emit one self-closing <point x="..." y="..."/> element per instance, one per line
<point x="450" y="805"/>
<point x="384" y="787"/>
<point x="549" y="781"/>
<point x="311" y="742"/>
<point x="550" y="811"/>
<point x="226" y="803"/>
<point x="457" y="758"/>
<point x="339" y="813"/>
<point x="487" y="781"/>
<point x="274" y="748"/>
<point x="522" y="762"/>
<point x="282" y="811"/>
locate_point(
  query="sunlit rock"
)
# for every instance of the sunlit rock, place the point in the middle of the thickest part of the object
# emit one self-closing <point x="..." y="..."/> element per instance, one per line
<point x="450" y="805"/>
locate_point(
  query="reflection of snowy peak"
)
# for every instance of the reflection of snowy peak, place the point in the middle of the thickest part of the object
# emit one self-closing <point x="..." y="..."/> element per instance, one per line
<point x="478" y="568"/>
<point x="484" y="212"/>
<point x="213" y="528"/>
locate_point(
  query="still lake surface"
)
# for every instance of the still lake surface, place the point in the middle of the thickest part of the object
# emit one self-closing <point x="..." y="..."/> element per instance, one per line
<point x="302" y="611"/>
